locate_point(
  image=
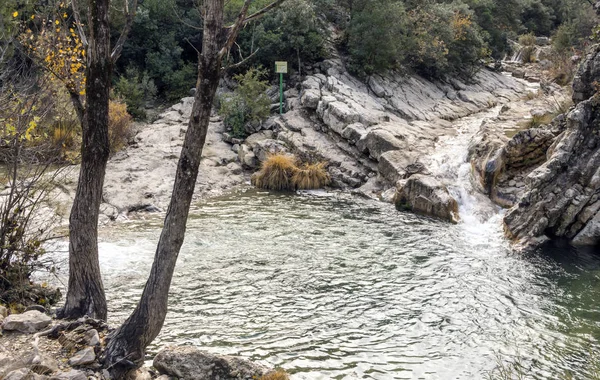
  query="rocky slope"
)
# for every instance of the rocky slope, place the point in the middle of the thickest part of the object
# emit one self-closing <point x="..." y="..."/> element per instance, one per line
<point x="562" y="196"/>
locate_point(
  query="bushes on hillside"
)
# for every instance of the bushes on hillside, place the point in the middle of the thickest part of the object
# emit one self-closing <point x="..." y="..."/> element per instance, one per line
<point x="377" y="36"/>
<point x="291" y="32"/>
<point x="135" y="90"/>
<point x="434" y="39"/>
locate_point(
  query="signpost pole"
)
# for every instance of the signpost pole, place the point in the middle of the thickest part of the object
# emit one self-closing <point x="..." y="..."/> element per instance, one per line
<point x="281" y="68"/>
<point x="280" y="93"/>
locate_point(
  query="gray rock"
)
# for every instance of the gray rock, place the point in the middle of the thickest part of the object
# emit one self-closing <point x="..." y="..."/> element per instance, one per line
<point x="192" y="364"/>
<point x="377" y="88"/>
<point x="140" y="374"/>
<point x="3" y="311"/>
<point x="92" y="338"/>
<point x="587" y="74"/>
<point x="379" y="141"/>
<point x="518" y="74"/>
<point x="70" y="375"/>
<point x="264" y="148"/>
<point x="310" y="99"/>
<point x="590" y="234"/>
<point x="392" y="165"/>
<point x="560" y="196"/>
<point x="28" y="322"/>
<point x="23" y="374"/>
<point x="354" y="132"/>
<point x="83" y="357"/>
<point x="246" y="157"/>
<point x="426" y="195"/>
<point x="542" y="41"/>
<point x="43" y="364"/>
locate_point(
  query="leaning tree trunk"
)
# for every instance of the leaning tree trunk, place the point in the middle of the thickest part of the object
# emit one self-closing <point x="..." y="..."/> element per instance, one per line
<point x="85" y="295"/>
<point x="126" y="346"/>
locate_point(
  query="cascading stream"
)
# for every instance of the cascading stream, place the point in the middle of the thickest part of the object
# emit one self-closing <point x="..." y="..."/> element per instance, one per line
<point x="449" y="164"/>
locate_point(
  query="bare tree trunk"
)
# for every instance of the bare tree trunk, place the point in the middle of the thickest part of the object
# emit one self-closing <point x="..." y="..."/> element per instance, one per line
<point x="127" y="345"/>
<point x="85" y="295"/>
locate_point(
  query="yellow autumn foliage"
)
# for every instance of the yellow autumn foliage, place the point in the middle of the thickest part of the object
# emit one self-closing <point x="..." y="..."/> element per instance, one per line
<point x="57" y="47"/>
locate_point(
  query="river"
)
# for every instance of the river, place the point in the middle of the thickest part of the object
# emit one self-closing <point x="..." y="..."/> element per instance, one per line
<point x="332" y="287"/>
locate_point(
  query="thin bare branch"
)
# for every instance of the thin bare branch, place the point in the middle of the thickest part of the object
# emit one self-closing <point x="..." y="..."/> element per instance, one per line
<point x="235" y="29"/>
<point x="185" y="22"/>
<point x="130" y="15"/>
<point x="78" y="23"/>
<point x="238" y="64"/>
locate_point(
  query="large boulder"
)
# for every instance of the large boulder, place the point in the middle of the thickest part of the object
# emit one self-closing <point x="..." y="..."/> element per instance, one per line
<point x="428" y="196"/>
<point x="189" y="363"/>
<point x="28" y="322"/>
<point x="498" y="162"/>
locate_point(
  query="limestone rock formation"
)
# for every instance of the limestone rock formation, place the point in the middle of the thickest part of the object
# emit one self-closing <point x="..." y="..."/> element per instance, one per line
<point x="428" y="196"/>
<point x="499" y="163"/>
<point x="562" y="196"/>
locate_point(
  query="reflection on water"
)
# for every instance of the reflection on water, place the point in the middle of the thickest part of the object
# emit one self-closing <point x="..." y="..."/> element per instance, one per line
<point x="333" y="288"/>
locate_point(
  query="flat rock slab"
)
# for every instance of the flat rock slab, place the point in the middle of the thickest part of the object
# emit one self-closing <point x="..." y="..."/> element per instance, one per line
<point x="83" y="357"/>
<point x="28" y="322"/>
<point x="192" y="364"/>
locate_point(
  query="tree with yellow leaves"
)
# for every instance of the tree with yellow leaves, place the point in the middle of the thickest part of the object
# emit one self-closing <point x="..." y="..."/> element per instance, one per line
<point x="80" y="56"/>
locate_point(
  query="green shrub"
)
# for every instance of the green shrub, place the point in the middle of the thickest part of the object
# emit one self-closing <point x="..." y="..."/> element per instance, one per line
<point x="445" y="40"/>
<point x="135" y="91"/>
<point x="377" y="36"/>
<point x="290" y="33"/>
<point x="249" y="102"/>
<point x="527" y="39"/>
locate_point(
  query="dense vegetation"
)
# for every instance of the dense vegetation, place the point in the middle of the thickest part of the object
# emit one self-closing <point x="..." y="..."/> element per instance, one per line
<point x="432" y="37"/>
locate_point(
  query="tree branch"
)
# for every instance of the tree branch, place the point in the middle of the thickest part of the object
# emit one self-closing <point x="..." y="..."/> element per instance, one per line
<point x="78" y="23"/>
<point x="262" y="12"/>
<point x="130" y="15"/>
<point x="235" y="29"/>
<point x="238" y="64"/>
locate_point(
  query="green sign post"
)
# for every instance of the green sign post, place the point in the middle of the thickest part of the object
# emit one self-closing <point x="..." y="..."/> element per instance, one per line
<point x="281" y="68"/>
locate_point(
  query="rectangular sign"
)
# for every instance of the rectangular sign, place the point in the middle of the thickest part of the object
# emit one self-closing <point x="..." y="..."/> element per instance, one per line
<point x="281" y="67"/>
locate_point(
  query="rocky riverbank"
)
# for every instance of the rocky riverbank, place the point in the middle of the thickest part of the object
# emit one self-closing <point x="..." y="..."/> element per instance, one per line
<point x="33" y="346"/>
<point x="374" y="135"/>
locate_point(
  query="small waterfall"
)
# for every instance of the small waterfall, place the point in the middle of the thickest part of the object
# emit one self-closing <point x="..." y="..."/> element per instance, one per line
<point x="449" y="164"/>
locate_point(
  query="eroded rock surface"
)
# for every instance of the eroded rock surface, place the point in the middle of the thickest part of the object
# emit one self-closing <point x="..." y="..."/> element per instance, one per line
<point x="562" y="196"/>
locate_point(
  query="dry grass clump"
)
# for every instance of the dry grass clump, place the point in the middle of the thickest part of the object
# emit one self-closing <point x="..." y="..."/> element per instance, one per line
<point x="281" y="172"/>
<point x="276" y="173"/>
<point x="119" y="125"/>
<point x="311" y="176"/>
<point x="277" y="375"/>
